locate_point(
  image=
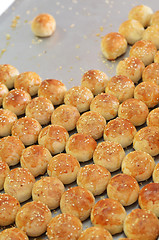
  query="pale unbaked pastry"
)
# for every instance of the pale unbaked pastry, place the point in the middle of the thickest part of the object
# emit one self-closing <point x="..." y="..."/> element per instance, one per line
<point x="28" y="81"/>
<point x="19" y="183"/>
<point x="63" y="166"/>
<point x="91" y="123"/>
<point x="132" y="30"/>
<point x="156" y="57"/>
<point x="79" y="97"/>
<point x="8" y="73"/>
<point x="12" y="234"/>
<point x="147" y="140"/>
<point x="106" y="104"/>
<point x="138" y="164"/>
<point x="150" y="73"/>
<point x="64" y="226"/>
<point x="41" y="109"/>
<point x="123" y="188"/>
<point x="35" y="158"/>
<point x="144" y="50"/>
<point x="152" y="34"/>
<point x="149" y="198"/>
<point x="141" y="13"/>
<point x="81" y="146"/>
<point x="95" y="233"/>
<point x="27" y="130"/>
<point x="49" y="191"/>
<point x="93" y="177"/>
<point x="155" y="174"/>
<point x="54" y="138"/>
<point x="4" y="170"/>
<point x="16" y="101"/>
<point x="155" y="18"/>
<point x="109" y="154"/>
<point x="7" y="119"/>
<point x="43" y="25"/>
<point x="113" y="45"/>
<point x="133" y="110"/>
<point x="11" y="148"/>
<point x="109" y="214"/>
<point x="131" y="67"/>
<point x="141" y="224"/>
<point x="9" y="207"/>
<point x="77" y="201"/>
<point x="147" y="92"/>
<point x="33" y="218"/>
<point x="121" y="131"/>
<point x="3" y="92"/>
<point x="95" y="80"/>
<point x="121" y="87"/>
<point x="52" y="89"/>
<point x="65" y="116"/>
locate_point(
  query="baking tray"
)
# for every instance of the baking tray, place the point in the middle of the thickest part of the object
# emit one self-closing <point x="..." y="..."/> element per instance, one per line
<point x="73" y="49"/>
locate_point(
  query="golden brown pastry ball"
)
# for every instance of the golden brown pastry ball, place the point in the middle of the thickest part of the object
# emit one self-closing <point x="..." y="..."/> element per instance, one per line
<point x="138" y="164"/>
<point x="27" y="130"/>
<point x="95" y="233"/>
<point x="28" y="81"/>
<point x="147" y="92"/>
<point x="49" y="191"/>
<point x="121" y="87"/>
<point x="79" y="97"/>
<point x="109" y="214"/>
<point x="121" y="131"/>
<point x="81" y="146"/>
<point x="155" y="174"/>
<point x="9" y="207"/>
<point x="141" y="224"/>
<point x="77" y="201"/>
<point x="35" y="158"/>
<point x="150" y="73"/>
<point x="147" y="140"/>
<point x="144" y="50"/>
<point x="41" y="109"/>
<point x="64" y="226"/>
<point x="43" y="25"/>
<point x="156" y="57"/>
<point x="141" y="13"/>
<point x="93" y="177"/>
<point x="106" y="104"/>
<point x="109" y="154"/>
<point x="91" y="123"/>
<point x="63" y="166"/>
<point x="133" y="110"/>
<point x="19" y="183"/>
<point x="132" y="30"/>
<point x="7" y="119"/>
<point x="8" y="73"/>
<point x="4" y="170"/>
<point x="33" y="218"/>
<point x="95" y="80"/>
<point x="3" y="92"/>
<point x="113" y="45"/>
<point x="54" y="138"/>
<point x="149" y="198"/>
<point x="155" y="18"/>
<point x="16" y="101"/>
<point x="52" y="89"/>
<point x="12" y="234"/>
<point x="65" y="116"/>
<point x="152" y="34"/>
<point x="131" y="67"/>
<point x="123" y="188"/>
<point x="11" y="148"/>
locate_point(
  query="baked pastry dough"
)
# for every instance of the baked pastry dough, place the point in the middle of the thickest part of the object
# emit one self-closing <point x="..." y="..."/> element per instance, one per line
<point x="7" y="119"/>
<point x="155" y="174"/>
<point x="155" y="18"/>
<point x="150" y="73"/>
<point x="64" y="226"/>
<point x="77" y="201"/>
<point x="63" y="166"/>
<point x="156" y="57"/>
<point x="33" y="218"/>
<point x="81" y="146"/>
<point x="152" y="34"/>
<point x="8" y="73"/>
<point x="3" y="92"/>
<point x="95" y="233"/>
<point x="4" y="170"/>
<point x="138" y="164"/>
<point x="113" y="45"/>
<point x="13" y="233"/>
